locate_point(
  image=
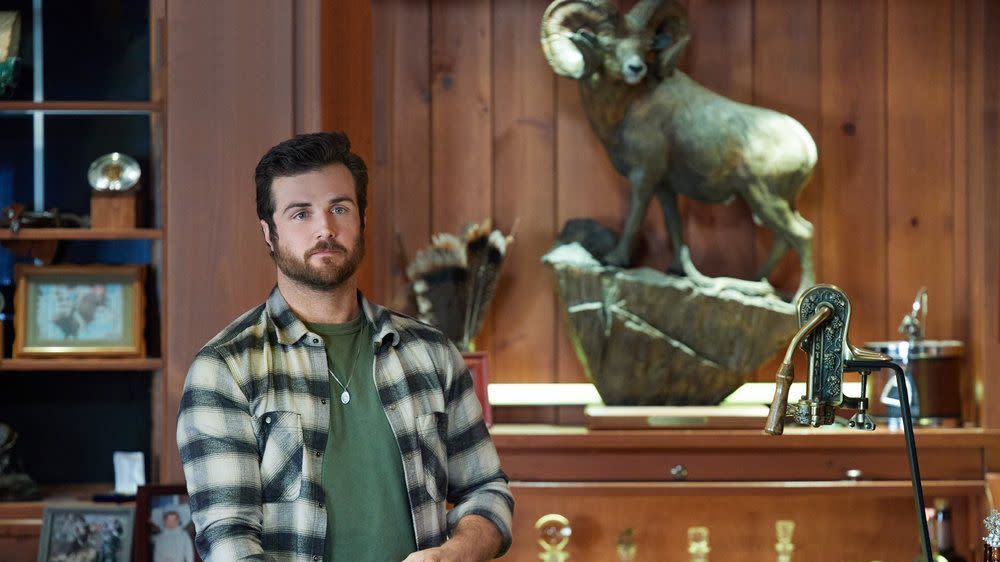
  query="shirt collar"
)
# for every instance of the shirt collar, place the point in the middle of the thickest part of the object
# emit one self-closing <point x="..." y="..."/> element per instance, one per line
<point x="291" y="329"/>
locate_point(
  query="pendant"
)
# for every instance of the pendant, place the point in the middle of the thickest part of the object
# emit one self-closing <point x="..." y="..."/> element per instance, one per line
<point x="345" y="397"/>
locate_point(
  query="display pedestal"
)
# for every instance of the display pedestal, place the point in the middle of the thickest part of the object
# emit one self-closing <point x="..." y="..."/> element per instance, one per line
<point x="479" y="365"/>
<point x="114" y="211"/>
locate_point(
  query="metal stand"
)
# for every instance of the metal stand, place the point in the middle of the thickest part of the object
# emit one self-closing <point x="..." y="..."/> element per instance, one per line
<point x="911" y="447"/>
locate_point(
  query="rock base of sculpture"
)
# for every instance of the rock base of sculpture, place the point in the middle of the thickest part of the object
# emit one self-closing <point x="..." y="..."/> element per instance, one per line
<point x="15" y="485"/>
<point x="649" y="338"/>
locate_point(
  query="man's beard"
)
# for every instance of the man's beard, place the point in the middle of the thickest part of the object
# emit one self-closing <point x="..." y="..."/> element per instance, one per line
<point x="326" y="276"/>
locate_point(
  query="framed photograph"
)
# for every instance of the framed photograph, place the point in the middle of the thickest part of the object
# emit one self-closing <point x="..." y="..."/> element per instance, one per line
<point x="79" y="311"/>
<point x="163" y="529"/>
<point x="86" y="533"/>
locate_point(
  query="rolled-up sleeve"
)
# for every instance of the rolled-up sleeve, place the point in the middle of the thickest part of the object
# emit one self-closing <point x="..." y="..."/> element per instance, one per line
<point x="476" y="484"/>
<point x="218" y="448"/>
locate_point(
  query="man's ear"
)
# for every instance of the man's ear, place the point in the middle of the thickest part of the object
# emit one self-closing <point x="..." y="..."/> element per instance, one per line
<point x="266" y="228"/>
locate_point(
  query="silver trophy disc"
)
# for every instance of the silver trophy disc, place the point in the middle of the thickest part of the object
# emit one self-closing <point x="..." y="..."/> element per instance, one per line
<point x="114" y="172"/>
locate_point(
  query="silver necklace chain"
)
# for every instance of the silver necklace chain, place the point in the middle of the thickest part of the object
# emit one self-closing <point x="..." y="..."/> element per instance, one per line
<point x="345" y="396"/>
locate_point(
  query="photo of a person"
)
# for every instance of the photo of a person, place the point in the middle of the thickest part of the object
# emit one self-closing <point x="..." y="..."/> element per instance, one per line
<point x="86" y="535"/>
<point x="172" y="543"/>
<point x="171" y="529"/>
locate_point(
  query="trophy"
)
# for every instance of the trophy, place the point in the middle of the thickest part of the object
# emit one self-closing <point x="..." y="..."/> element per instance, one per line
<point x="698" y="544"/>
<point x="553" y="536"/>
<point x="115" y="181"/>
<point x="626" y="545"/>
<point x="784" y="547"/>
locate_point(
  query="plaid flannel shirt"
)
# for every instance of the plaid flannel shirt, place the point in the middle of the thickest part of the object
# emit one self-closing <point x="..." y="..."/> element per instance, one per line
<point x="253" y="425"/>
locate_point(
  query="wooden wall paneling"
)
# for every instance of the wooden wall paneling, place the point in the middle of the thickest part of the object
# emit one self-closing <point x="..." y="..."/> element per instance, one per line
<point x="346" y="98"/>
<point x="403" y="140"/>
<point x="978" y="316"/>
<point x="523" y="194"/>
<point x="221" y="87"/>
<point x="462" y="119"/>
<point x="720" y="57"/>
<point x="786" y="78"/>
<point x="984" y="207"/>
<point x="308" y="65"/>
<point x="379" y="169"/>
<point x="852" y="250"/>
<point x="159" y="391"/>
<point x="962" y="78"/>
<point x="959" y="169"/>
<point x="920" y="192"/>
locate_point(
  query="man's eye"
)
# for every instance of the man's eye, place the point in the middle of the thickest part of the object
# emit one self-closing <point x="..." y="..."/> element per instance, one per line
<point x="340" y="210"/>
<point x="299" y="215"/>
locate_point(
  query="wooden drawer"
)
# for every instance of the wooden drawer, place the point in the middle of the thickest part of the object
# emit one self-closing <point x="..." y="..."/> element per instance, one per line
<point x="737" y="465"/>
<point x="841" y="522"/>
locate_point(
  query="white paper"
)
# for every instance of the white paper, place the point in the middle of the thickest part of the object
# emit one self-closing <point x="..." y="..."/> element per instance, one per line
<point x="130" y="472"/>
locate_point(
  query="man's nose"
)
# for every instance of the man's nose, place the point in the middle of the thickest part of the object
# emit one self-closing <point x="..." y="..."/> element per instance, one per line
<point x="327" y="226"/>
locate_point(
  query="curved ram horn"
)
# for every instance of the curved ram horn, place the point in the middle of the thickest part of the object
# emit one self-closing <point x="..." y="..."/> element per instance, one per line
<point x="564" y="34"/>
<point x="653" y="13"/>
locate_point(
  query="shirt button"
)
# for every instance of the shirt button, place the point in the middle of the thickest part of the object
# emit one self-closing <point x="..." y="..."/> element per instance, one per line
<point x="318" y="454"/>
<point x="315" y="340"/>
<point x="315" y="557"/>
<point x="392" y="407"/>
<point x="322" y="401"/>
<point x="267" y="419"/>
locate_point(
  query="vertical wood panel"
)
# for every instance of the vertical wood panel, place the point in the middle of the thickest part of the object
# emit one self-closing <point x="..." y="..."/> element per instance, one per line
<point x="786" y="79"/>
<point x="524" y="193"/>
<point x="461" y="119"/>
<point x="959" y="168"/>
<point x="960" y="165"/>
<point x="852" y="155"/>
<point x="720" y="57"/>
<point x="404" y="163"/>
<point x="461" y="113"/>
<point x="919" y="158"/>
<point x="217" y="94"/>
<point x="984" y="206"/>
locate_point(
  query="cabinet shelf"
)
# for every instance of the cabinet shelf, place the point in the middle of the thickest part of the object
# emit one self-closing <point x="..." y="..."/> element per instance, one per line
<point x="81" y="107"/>
<point x="78" y="364"/>
<point x="81" y="234"/>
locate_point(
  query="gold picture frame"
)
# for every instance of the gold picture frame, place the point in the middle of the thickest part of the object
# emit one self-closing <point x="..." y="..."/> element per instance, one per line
<point x="79" y="311"/>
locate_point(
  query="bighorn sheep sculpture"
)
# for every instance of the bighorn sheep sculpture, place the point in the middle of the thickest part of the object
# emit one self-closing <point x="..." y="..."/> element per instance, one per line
<point x="668" y="135"/>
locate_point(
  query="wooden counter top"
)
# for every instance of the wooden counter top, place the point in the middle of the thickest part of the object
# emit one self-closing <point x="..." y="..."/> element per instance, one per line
<point x="548" y="437"/>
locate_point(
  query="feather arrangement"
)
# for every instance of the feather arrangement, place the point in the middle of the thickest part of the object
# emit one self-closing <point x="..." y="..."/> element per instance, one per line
<point x="455" y="277"/>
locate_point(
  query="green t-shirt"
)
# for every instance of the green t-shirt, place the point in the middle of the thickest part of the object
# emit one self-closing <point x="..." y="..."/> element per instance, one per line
<point x="368" y="509"/>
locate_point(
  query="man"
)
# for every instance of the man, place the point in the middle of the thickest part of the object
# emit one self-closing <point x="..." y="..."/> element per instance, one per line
<point x="320" y="426"/>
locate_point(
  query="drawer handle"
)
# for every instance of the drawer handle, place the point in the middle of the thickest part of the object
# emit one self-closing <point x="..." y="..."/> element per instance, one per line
<point x="679" y="472"/>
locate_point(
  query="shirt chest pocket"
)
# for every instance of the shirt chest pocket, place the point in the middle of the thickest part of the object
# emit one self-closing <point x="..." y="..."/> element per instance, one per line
<point x="432" y="433"/>
<point x="279" y="438"/>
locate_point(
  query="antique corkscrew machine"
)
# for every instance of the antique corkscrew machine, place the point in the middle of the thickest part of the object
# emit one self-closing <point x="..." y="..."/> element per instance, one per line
<point x="824" y="314"/>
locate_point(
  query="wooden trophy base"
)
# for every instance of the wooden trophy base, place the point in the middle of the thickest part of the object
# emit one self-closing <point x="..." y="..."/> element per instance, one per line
<point x="114" y="210"/>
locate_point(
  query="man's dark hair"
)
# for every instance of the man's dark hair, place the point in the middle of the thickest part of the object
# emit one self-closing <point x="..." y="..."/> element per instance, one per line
<point x="307" y="153"/>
